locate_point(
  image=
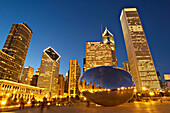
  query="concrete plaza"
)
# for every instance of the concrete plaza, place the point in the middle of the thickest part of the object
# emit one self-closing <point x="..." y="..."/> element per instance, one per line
<point x="136" y="107"/>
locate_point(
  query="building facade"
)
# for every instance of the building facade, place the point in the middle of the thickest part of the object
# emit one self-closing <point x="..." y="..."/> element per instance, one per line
<point x="7" y="69"/>
<point x="61" y="83"/>
<point x="108" y="38"/>
<point x="49" y="70"/>
<point x="167" y="80"/>
<point x="66" y="83"/>
<point x="98" y="54"/>
<point x="16" y="45"/>
<point x="74" y="74"/>
<point x="126" y="66"/>
<point x="34" y="80"/>
<point x="15" y="91"/>
<point x="139" y="56"/>
<point x="27" y="74"/>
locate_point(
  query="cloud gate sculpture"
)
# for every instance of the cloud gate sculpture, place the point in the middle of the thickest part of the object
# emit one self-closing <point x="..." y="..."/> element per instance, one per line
<point x="106" y="85"/>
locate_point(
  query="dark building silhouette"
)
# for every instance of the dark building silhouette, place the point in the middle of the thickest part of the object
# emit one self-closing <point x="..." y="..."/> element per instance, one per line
<point x="34" y="80"/>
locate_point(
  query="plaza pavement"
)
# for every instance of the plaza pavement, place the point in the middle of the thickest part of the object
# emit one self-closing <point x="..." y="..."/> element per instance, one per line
<point x="136" y="107"/>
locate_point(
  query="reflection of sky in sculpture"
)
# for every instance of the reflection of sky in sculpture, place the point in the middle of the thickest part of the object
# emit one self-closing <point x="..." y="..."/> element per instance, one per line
<point x="108" y="77"/>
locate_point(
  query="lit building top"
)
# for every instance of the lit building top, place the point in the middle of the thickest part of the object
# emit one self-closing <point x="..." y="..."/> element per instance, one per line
<point x="107" y="31"/>
<point x="52" y="54"/>
<point x="108" y="38"/>
<point x="167" y="76"/>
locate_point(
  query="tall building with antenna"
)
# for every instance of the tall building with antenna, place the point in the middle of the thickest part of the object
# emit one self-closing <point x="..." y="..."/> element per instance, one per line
<point x="108" y="38"/>
<point x="100" y="53"/>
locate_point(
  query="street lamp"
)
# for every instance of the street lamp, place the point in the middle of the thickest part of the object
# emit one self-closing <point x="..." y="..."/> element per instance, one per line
<point x="151" y="93"/>
<point x="144" y="88"/>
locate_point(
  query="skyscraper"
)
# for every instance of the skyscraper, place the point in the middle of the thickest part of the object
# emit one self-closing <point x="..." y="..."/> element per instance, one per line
<point x="108" y="38"/>
<point x="74" y="74"/>
<point x="49" y="70"/>
<point x="16" y="46"/>
<point x="126" y="66"/>
<point x="98" y="54"/>
<point x="140" y="60"/>
<point x="66" y="83"/>
<point x="27" y="74"/>
<point x="61" y="83"/>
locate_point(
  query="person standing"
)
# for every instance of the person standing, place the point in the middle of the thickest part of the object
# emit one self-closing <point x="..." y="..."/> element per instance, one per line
<point x="43" y="104"/>
<point x="33" y="101"/>
<point x="21" y="103"/>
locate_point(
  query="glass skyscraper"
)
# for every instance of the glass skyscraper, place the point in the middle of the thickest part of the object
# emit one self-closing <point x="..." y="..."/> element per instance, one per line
<point x="140" y="60"/>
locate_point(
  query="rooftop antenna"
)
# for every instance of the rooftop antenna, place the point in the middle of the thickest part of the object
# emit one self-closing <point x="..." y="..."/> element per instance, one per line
<point x="101" y="29"/>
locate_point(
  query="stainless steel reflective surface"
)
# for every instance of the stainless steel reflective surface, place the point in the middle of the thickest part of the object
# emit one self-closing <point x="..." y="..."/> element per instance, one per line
<point x="106" y="85"/>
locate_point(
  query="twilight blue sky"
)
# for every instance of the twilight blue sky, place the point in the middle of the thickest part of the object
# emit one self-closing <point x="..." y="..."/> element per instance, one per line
<point x="66" y="25"/>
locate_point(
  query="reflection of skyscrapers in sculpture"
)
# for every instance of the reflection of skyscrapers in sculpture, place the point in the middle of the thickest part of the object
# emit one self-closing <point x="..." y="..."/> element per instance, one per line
<point x="140" y="59"/>
<point x="109" y="39"/>
<point x="98" y="54"/>
<point x="49" y="71"/>
<point x="74" y="74"/>
<point x="26" y="75"/>
<point x="16" y="45"/>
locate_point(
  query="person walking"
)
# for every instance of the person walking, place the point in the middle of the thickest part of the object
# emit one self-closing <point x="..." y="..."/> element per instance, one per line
<point x="33" y="101"/>
<point x="43" y="104"/>
<point x="21" y="103"/>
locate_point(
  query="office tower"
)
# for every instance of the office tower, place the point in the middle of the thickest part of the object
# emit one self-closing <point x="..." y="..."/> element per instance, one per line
<point x="74" y="74"/>
<point x="34" y="80"/>
<point x="98" y="54"/>
<point x="108" y="38"/>
<point x="49" y="70"/>
<point x="27" y="74"/>
<point x="7" y="69"/>
<point x="66" y="83"/>
<point x="16" y="45"/>
<point x="159" y="77"/>
<point x="126" y="66"/>
<point x="167" y="79"/>
<point x="140" y="60"/>
<point x="61" y="83"/>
